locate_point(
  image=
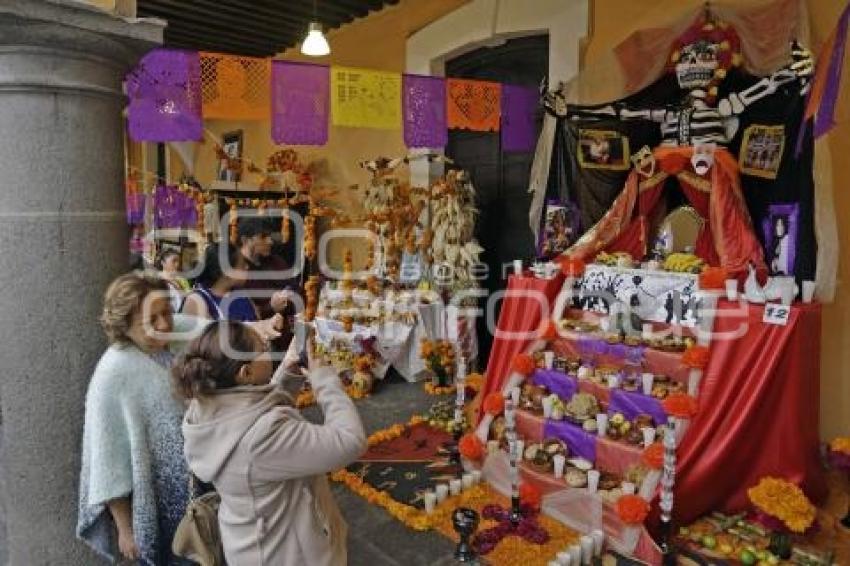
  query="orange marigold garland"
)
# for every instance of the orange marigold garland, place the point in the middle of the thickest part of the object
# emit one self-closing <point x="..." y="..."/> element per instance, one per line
<point x="471" y="447"/>
<point x="494" y="404"/>
<point x="632" y="509"/>
<point x="696" y="357"/>
<point x="785" y="501"/>
<point x="653" y="456"/>
<point x="680" y="405"/>
<point x="523" y="364"/>
<point x="713" y="278"/>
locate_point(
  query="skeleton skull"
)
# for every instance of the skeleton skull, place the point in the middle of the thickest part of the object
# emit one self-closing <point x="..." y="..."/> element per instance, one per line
<point x="644" y="162"/>
<point x="697" y="64"/>
<point x="703" y="158"/>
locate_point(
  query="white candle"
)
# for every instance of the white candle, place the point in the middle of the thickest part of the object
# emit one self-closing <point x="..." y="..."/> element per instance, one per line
<point x="575" y="555"/>
<point x="466" y="480"/>
<point x="549" y="359"/>
<point x="560" y="461"/>
<point x="598" y="540"/>
<point x="564" y="558"/>
<point x="455" y="486"/>
<point x="586" y="549"/>
<point x="808" y="291"/>
<point x="601" y="424"/>
<point x="476" y="474"/>
<point x="442" y="491"/>
<point x="520" y="449"/>
<point x="515" y="393"/>
<point x="613" y="381"/>
<point x="646" y="330"/>
<point x="430" y="499"/>
<point x="648" y="435"/>
<point x="732" y="289"/>
<point x="592" y="481"/>
<point x="647" y="380"/>
<point x="628" y="488"/>
<point x="518" y="267"/>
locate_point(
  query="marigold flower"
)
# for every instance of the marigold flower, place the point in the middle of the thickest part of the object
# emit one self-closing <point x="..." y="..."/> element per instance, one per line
<point x="680" y="405"/>
<point x="785" y="501"/>
<point x="632" y="509"/>
<point x="523" y="364"/>
<point x="713" y="278"/>
<point x="471" y="447"/>
<point x="529" y="495"/>
<point x="653" y="456"/>
<point x="696" y="357"/>
<point x="494" y="404"/>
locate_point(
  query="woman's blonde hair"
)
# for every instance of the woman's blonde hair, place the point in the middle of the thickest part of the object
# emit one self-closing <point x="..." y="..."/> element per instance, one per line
<point x="122" y="299"/>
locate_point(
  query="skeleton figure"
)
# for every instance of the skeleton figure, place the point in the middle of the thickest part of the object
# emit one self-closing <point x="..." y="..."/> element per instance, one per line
<point x="700" y="65"/>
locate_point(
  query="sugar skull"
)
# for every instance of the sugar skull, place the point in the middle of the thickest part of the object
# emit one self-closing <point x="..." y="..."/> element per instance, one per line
<point x="697" y="64"/>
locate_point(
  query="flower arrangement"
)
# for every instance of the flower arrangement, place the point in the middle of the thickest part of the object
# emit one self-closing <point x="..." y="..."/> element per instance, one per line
<point x="784" y="501"/>
<point x="680" y="405"/>
<point x="523" y="364"/>
<point x="529" y="495"/>
<point x="471" y="447"/>
<point x="439" y="357"/>
<point x="653" y="456"/>
<point x="632" y="509"/>
<point x="494" y="404"/>
<point x="696" y="357"/>
<point x="713" y="278"/>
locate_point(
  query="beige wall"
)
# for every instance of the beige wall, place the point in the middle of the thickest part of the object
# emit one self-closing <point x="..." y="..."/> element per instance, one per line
<point x="611" y="24"/>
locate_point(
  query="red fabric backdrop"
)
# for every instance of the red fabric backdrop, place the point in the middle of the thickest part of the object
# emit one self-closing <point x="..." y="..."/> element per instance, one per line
<point x="759" y="401"/>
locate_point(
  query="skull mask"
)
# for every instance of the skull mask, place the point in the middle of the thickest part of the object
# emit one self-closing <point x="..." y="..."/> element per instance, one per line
<point x="644" y="162"/>
<point x="703" y="158"/>
<point x="697" y="64"/>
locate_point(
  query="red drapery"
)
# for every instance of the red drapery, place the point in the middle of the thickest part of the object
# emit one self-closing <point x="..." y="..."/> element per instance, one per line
<point x="759" y="401"/>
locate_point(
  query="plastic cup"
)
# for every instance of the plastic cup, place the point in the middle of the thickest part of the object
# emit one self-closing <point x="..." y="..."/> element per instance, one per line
<point x="613" y="381"/>
<point x="598" y="540"/>
<point x="808" y="291"/>
<point x="646" y="330"/>
<point x="592" y="481"/>
<point x="648" y="435"/>
<point x="732" y="289"/>
<point x="601" y="424"/>
<point x="441" y="491"/>
<point x="430" y="499"/>
<point x="455" y="487"/>
<point x="646" y="381"/>
<point x="628" y="488"/>
<point x="547" y="407"/>
<point x="476" y="474"/>
<point x="518" y="267"/>
<point x="586" y="549"/>
<point x="559" y="460"/>
<point x="549" y="359"/>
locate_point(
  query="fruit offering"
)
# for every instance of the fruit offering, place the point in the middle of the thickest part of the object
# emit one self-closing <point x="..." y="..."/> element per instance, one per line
<point x="683" y="263"/>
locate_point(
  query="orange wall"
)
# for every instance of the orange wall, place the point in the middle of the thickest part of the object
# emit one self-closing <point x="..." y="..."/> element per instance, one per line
<point x="610" y="25"/>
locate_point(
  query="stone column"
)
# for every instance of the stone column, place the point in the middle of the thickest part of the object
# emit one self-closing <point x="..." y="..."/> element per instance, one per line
<point x="63" y="237"/>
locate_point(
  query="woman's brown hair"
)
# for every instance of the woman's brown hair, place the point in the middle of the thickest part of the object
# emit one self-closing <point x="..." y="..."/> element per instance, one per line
<point x="122" y="299"/>
<point x="206" y="365"/>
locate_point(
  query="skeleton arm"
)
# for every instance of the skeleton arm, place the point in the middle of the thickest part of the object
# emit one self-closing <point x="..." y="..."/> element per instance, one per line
<point x="555" y="102"/>
<point x="800" y="69"/>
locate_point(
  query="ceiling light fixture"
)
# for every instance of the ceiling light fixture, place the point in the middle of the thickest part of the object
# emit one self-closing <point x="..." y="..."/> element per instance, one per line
<point x="315" y="44"/>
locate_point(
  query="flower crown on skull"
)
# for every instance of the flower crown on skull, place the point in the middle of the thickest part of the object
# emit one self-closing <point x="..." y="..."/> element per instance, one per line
<point x="702" y="56"/>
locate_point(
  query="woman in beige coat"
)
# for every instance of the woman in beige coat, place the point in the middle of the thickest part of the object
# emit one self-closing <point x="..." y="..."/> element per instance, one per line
<point x="267" y="463"/>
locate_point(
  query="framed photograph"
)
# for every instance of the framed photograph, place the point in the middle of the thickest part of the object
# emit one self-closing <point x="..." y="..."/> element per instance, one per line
<point x="231" y="143"/>
<point x="558" y="230"/>
<point x="780" y="237"/>
<point x="603" y="149"/>
<point x="761" y="150"/>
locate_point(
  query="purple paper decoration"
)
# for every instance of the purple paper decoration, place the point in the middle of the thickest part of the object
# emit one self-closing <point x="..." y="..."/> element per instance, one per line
<point x="556" y="382"/>
<point x="300" y="102"/>
<point x="519" y="104"/>
<point x="630" y="405"/>
<point x="580" y="442"/>
<point x="424" y="111"/>
<point x="825" y="117"/>
<point x="135" y="207"/>
<point x="165" y="97"/>
<point x="173" y="209"/>
<point x="780" y="228"/>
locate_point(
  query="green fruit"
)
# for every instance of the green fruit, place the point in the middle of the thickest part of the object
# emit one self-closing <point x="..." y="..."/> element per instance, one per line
<point x="772" y="559"/>
<point x="761" y="555"/>
<point x="709" y="542"/>
<point x="748" y="558"/>
<point x="684" y="531"/>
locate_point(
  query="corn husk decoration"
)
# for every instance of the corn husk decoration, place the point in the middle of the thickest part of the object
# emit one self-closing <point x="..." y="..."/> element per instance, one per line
<point x="453" y="225"/>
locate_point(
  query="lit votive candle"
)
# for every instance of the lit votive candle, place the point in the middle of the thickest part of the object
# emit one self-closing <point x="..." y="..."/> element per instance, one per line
<point x="586" y="549"/>
<point x="454" y="487"/>
<point x="467" y="481"/>
<point x="430" y="499"/>
<point x="442" y="491"/>
<point x="476" y="475"/>
<point x="598" y="540"/>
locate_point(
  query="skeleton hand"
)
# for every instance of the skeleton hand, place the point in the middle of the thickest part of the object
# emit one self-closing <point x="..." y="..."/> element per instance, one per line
<point x="803" y="65"/>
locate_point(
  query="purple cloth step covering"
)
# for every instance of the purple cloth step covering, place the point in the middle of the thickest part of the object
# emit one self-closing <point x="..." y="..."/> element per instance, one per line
<point x="633" y="404"/>
<point x="556" y="382"/>
<point x="580" y="443"/>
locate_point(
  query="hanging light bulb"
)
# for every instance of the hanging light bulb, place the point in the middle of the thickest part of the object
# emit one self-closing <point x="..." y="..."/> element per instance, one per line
<point x="315" y="44"/>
